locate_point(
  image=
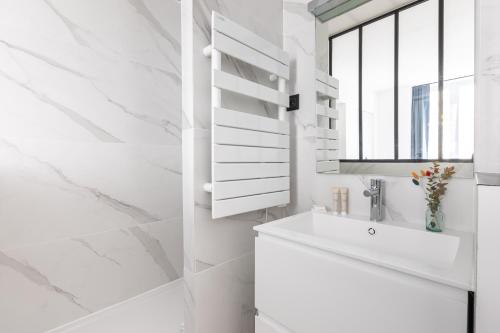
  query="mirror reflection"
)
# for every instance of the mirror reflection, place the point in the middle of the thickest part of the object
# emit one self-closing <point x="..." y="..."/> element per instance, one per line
<point x="406" y="80"/>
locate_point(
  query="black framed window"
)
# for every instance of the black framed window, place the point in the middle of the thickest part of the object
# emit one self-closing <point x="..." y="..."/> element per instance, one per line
<point x="407" y="83"/>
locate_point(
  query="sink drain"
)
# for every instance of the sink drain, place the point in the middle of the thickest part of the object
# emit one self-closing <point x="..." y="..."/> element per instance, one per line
<point x="371" y="231"/>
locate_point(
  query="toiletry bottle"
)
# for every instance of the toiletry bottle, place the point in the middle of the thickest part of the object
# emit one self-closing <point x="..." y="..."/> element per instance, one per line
<point x="336" y="200"/>
<point x="344" y="193"/>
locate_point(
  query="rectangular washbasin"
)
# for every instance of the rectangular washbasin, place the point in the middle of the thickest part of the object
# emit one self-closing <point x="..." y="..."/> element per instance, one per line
<point x="439" y="256"/>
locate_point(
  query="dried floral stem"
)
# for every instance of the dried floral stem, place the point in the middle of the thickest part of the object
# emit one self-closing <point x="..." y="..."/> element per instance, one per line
<point x="434" y="182"/>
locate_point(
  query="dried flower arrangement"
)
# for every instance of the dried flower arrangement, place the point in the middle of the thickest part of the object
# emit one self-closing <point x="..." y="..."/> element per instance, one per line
<point x="433" y="181"/>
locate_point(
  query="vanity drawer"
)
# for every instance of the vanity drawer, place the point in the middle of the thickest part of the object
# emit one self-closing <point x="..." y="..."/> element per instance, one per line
<point x="314" y="291"/>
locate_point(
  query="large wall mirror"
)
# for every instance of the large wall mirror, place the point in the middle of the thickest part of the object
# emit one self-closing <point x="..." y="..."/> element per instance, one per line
<point x="406" y="73"/>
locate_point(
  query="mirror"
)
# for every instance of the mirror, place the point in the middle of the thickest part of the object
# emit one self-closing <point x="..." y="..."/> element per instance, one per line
<point x="406" y="91"/>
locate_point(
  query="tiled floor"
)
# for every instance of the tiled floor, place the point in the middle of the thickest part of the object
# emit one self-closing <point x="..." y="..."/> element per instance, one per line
<point x="157" y="311"/>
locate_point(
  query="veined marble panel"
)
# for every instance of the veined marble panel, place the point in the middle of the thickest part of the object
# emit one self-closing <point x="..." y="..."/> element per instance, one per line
<point x="233" y="235"/>
<point x="218" y="263"/>
<point x="405" y="202"/>
<point x="54" y="283"/>
<point x="230" y="287"/>
<point x="155" y="311"/>
<point x="90" y="156"/>
<point x="322" y="46"/>
<point x="92" y="70"/>
<point x="299" y="42"/>
<point x="487" y="88"/>
<point x="76" y="188"/>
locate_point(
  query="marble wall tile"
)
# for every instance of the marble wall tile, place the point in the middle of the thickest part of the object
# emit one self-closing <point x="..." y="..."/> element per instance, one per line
<point x="322" y="46"/>
<point x="404" y="201"/>
<point x="487" y="88"/>
<point x="214" y="248"/>
<point x="98" y="67"/>
<point x="53" y="283"/>
<point x="228" y="291"/>
<point x="90" y="155"/>
<point x="234" y="236"/>
<point x="298" y="28"/>
<point x="74" y="188"/>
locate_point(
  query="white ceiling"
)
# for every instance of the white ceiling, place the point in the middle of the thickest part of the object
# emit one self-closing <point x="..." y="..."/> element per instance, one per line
<point x="363" y="13"/>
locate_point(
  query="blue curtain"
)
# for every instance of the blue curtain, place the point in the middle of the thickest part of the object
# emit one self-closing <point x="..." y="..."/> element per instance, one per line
<point x="420" y="121"/>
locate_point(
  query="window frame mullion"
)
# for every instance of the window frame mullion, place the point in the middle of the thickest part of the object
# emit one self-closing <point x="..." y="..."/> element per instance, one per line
<point x="396" y="86"/>
<point x="440" y="77"/>
<point x="360" y="91"/>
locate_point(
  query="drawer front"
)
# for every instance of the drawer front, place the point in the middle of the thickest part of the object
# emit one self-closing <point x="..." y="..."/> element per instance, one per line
<point x="310" y="291"/>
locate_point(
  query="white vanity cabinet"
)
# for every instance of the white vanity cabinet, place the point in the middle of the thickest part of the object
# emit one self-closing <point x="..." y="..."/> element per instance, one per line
<point x="301" y="288"/>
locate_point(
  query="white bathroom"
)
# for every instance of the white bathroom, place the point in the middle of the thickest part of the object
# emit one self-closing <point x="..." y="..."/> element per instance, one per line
<point x="236" y="166"/>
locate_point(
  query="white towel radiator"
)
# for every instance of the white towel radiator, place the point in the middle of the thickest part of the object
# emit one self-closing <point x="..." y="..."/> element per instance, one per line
<point x="250" y="153"/>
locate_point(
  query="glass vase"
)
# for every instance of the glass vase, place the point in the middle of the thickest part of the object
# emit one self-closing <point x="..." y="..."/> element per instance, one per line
<point x="434" y="220"/>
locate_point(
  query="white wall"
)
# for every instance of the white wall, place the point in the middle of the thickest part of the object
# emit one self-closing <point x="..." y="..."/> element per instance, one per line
<point x="218" y="261"/>
<point x="404" y="201"/>
<point x="298" y="30"/>
<point x="487" y="103"/>
<point x="487" y="160"/>
<point x="488" y="272"/>
<point x="90" y="156"/>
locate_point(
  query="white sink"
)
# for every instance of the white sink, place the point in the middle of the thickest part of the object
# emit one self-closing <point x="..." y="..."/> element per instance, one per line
<point x="443" y="257"/>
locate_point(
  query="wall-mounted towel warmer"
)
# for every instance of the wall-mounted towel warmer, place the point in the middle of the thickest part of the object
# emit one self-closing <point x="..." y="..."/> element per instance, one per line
<point x="250" y="153"/>
<point x="327" y="143"/>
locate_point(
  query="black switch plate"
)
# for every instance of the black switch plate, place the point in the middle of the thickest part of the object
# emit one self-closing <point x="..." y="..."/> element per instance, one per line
<point x="294" y="103"/>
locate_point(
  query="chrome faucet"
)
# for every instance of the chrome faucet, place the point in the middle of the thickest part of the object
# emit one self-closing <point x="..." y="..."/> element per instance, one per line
<point x="377" y="199"/>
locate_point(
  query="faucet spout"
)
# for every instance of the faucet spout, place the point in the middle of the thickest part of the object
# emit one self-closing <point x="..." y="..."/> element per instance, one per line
<point x="376" y="193"/>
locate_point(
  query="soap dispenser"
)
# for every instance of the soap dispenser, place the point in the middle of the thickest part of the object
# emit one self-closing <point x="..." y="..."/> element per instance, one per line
<point x="336" y="200"/>
<point x="344" y="194"/>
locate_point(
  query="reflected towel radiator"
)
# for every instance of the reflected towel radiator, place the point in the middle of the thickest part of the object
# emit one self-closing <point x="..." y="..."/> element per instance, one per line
<point x="327" y="139"/>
